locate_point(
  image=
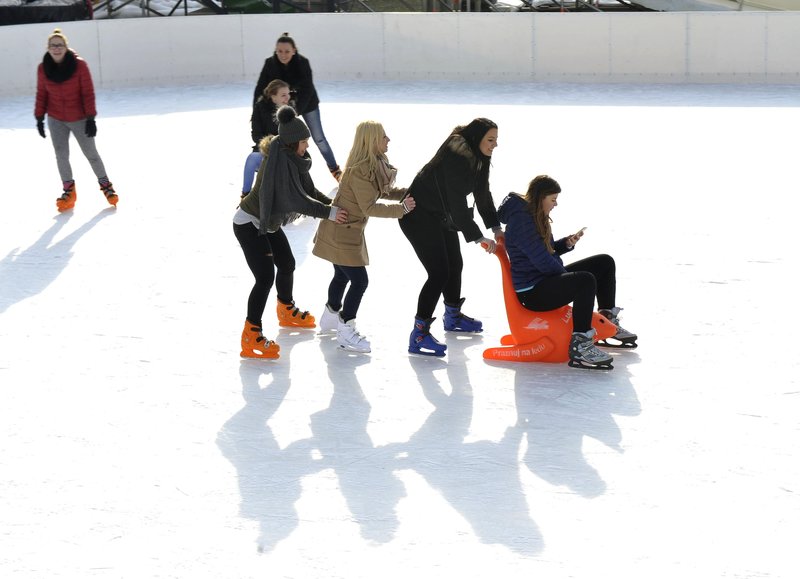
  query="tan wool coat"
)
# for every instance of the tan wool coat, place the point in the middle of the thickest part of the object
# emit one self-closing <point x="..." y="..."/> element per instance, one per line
<point x="344" y="244"/>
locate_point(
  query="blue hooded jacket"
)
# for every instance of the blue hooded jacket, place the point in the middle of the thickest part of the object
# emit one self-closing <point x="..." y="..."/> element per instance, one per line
<point x="530" y="260"/>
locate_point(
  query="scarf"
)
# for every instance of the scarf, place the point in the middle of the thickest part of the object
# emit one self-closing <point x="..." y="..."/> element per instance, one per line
<point x="60" y="72"/>
<point x="282" y="194"/>
<point x="385" y="174"/>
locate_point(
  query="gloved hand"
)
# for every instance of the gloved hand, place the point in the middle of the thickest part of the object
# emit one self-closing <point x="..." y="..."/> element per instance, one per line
<point x="40" y="126"/>
<point x="488" y="244"/>
<point x="91" y="127"/>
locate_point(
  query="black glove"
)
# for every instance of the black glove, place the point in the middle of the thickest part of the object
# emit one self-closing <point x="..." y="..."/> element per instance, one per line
<point x="91" y="127"/>
<point x="40" y="126"/>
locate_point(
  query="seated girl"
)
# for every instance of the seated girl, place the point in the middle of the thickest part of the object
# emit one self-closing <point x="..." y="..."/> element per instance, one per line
<point x="544" y="283"/>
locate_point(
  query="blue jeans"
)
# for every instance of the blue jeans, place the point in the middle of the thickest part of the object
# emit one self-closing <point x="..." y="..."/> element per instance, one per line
<point x="358" y="279"/>
<point x="315" y="126"/>
<point x="251" y="165"/>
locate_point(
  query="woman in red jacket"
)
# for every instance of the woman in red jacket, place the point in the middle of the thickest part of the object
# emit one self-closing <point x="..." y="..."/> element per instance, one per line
<point x="65" y="93"/>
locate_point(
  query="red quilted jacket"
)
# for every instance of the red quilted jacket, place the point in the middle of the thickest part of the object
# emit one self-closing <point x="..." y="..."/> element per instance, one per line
<point x="69" y="100"/>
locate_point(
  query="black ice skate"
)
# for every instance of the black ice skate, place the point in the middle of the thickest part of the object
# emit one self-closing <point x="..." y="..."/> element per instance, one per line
<point x="623" y="338"/>
<point x="584" y="354"/>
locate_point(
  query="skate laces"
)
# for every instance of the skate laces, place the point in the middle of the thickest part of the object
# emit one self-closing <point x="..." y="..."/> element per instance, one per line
<point x="621" y="331"/>
<point x="355" y="335"/>
<point x="296" y="312"/>
<point x="462" y="316"/>
<point x="583" y="344"/>
<point x="263" y="340"/>
<point x="613" y="316"/>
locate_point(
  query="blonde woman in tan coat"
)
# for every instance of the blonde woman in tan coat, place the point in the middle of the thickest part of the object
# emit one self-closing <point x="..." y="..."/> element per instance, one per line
<point x="367" y="180"/>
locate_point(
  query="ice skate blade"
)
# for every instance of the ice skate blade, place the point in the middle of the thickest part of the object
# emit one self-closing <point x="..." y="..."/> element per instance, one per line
<point x="586" y="366"/>
<point x="620" y="345"/>
<point x="460" y="331"/>
<point x="354" y="350"/>
<point x="301" y="326"/>
<point x="427" y="353"/>
<point x="259" y="356"/>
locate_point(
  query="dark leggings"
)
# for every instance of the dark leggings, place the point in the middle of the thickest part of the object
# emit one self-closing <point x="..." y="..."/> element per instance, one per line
<point x="587" y="278"/>
<point x="358" y="279"/>
<point x="439" y="251"/>
<point x="264" y="254"/>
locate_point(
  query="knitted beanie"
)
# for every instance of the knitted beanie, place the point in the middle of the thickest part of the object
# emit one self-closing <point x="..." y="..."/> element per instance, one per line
<point x="57" y="34"/>
<point x="290" y="128"/>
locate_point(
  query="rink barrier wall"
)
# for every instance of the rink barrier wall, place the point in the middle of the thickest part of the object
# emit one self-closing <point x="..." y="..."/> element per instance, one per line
<point x="663" y="47"/>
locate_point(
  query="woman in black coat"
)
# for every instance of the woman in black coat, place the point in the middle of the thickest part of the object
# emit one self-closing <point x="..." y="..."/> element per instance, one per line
<point x="289" y="66"/>
<point x="263" y="123"/>
<point x="459" y="168"/>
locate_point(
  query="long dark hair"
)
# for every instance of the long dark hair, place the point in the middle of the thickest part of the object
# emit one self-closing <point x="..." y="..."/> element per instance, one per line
<point x="473" y="134"/>
<point x="539" y="188"/>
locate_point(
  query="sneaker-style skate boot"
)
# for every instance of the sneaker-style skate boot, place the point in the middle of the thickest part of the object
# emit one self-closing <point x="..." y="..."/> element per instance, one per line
<point x="455" y="321"/>
<point x="349" y="339"/>
<point x="422" y="342"/>
<point x="329" y="321"/>
<point x="584" y="354"/>
<point x="255" y="345"/>
<point x="623" y="338"/>
<point x="290" y="316"/>
<point x="67" y="199"/>
<point x="108" y="191"/>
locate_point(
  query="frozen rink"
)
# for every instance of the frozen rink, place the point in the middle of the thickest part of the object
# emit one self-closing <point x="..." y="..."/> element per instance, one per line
<point x="137" y="444"/>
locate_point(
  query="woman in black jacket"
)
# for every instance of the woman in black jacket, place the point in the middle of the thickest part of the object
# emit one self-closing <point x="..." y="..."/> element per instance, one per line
<point x="459" y="168"/>
<point x="263" y="123"/>
<point x="289" y="66"/>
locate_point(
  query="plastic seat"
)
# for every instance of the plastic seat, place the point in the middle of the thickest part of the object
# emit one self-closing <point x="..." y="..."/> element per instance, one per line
<point x="537" y="336"/>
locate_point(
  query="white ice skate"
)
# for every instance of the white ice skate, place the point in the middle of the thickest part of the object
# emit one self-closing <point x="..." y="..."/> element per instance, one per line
<point x="349" y="339"/>
<point x="328" y="321"/>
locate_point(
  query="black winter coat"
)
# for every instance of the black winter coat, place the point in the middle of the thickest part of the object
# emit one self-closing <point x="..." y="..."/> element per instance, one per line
<point x="263" y="121"/>
<point x="297" y="74"/>
<point x="443" y="190"/>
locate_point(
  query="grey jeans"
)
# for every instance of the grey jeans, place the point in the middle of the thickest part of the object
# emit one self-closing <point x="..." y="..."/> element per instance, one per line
<point x="59" y="134"/>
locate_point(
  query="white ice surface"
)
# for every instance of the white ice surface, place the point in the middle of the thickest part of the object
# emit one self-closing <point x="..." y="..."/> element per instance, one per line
<point x="137" y="444"/>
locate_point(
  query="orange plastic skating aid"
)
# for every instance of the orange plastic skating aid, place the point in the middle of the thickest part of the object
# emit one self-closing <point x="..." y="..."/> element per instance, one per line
<point x="111" y="196"/>
<point x="67" y="199"/>
<point x="290" y="316"/>
<point x="537" y="336"/>
<point x="255" y="345"/>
